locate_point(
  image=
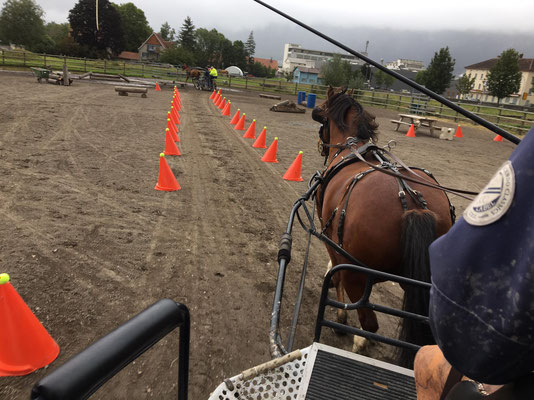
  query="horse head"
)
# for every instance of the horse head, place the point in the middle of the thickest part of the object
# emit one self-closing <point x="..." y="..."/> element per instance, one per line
<point x="342" y="117"/>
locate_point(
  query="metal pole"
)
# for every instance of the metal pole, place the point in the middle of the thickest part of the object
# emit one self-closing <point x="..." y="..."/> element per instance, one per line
<point x="400" y="77"/>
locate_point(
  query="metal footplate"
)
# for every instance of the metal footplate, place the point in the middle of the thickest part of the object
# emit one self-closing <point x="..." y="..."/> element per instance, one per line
<point x="334" y="374"/>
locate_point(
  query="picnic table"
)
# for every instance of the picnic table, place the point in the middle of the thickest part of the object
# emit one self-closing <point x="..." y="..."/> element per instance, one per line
<point x="417" y="121"/>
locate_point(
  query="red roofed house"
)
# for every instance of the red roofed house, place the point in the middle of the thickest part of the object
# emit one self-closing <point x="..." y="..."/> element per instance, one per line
<point x="152" y="48"/>
<point x="129" y="55"/>
<point x="480" y="70"/>
<point x="269" y="63"/>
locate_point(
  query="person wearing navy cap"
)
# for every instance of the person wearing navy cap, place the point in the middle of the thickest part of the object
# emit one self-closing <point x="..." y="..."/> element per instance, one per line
<point x="482" y="296"/>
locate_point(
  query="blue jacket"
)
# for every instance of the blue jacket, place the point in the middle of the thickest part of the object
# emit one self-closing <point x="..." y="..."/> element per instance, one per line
<point x="482" y="296"/>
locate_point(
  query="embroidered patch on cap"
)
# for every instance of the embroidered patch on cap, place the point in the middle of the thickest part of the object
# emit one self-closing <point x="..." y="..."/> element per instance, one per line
<point x="493" y="202"/>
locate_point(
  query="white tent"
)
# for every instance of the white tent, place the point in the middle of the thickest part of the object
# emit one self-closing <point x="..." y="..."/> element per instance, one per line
<point x="234" y="71"/>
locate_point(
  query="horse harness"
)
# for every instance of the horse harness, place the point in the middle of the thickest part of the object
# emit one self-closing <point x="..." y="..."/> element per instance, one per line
<point x="384" y="164"/>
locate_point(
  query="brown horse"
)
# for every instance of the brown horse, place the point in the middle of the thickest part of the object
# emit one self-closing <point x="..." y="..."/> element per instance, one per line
<point x="192" y="73"/>
<point x="380" y="220"/>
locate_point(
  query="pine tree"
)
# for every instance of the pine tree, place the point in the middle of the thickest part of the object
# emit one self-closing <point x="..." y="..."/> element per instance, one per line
<point x="504" y="78"/>
<point x="187" y="35"/>
<point x="250" y="48"/>
<point x="166" y="32"/>
<point x="438" y="75"/>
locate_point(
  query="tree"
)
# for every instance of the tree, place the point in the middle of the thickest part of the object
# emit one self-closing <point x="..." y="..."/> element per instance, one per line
<point x="166" y="32"/>
<point x="504" y="78"/>
<point x="420" y="77"/>
<point x="388" y="80"/>
<point x="56" y="31"/>
<point x="379" y="78"/>
<point x="337" y="72"/>
<point x="235" y="55"/>
<point x="187" y="35"/>
<point x="288" y="76"/>
<point x="134" y="25"/>
<point x="250" y="47"/>
<point x="465" y="84"/>
<point x="177" y="55"/>
<point x="105" y="39"/>
<point x="21" y="23"/>
<point x="439" y="74"/>
<point x="209" y="47"/>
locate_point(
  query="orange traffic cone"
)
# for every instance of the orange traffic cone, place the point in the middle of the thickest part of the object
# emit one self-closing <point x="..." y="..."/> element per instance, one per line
<point x="235" y="118"/>
<point x="226" y="110"/>
<point x="174" y="111"/>
<point x="222" y="104"/>
<point x="172" y="126"/>
<point x="260" y="141"/>
<point x="240" y="126"/>
<point x="158" y="89"/>
<point x="270" y="154"/>
<point x="26" y="345"/>
<point x="293" y="173"/>
<point x="173" y="134"/>
<point x="251" y="131"/>
<point x="216" y="98"/>
<point x="170" y="147"/>
<point x="411" y="131"/>
<point x="166" y="180"/>
<point x="213" y="94"/>
<point x="221" y="99"/>
<point x="498" y="138"/>
<point x="458" y="132"/>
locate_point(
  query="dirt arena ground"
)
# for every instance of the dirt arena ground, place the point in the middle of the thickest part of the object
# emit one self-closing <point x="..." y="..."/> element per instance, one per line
<point x="89" y="243"/>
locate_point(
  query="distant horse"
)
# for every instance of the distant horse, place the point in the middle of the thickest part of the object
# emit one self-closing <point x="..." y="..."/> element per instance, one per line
<point x="384" y="222"/>
<point x="192" y="73"/>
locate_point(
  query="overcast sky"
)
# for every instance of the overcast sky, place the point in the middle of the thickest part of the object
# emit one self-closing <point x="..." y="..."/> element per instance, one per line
<point x="396" y="29"/>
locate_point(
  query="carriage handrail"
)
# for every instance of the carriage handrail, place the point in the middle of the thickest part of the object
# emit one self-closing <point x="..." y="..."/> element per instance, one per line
<point x="363" y="302"/>
<point x="276" y="347"/>
<point x="415" y="85"/>
<point x="87" y="371"/>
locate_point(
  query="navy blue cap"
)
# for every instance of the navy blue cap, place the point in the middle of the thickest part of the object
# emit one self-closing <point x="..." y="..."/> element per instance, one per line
<point x="482" y="296"/>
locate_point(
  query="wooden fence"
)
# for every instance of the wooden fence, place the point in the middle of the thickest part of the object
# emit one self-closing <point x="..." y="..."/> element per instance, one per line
<point x="517" y="121"/>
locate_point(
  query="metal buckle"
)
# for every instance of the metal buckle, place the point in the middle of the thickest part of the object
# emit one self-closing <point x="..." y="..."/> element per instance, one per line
<point x="402" y="193"/>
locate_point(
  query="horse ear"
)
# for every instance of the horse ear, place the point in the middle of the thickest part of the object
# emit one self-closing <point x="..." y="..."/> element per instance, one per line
<point x="351" y="92"/>
<point x="331" y="91"/>
<point x="343" y="89"/>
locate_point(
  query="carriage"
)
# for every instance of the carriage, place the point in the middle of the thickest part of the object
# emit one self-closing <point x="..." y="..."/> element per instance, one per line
<point x="315" y="372"/>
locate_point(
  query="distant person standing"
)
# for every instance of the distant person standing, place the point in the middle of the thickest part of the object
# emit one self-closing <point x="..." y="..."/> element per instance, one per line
<point x="213" y="76"/>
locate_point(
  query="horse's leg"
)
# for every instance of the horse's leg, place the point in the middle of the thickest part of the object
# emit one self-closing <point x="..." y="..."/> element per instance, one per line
<point x="341" y="314"/>
<point x="355" y="288"/>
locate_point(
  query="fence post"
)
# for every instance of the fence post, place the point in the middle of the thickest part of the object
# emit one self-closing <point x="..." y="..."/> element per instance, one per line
<point x="499" y="116"/>
<point x="387" y="100"/>
<point x="124" y="67"/>
<point x="64" y="60"/>
<point x="229" y="80"/>
<point x="143" y="69"/>
<point x="24" y="54"/>
<point x="523" y="121"/>
<point x="440" y="109"/>
<point x="296" y="87"/>
<point x="264" y="84"/>
<point x="85" y="64"/>
<point x="246" y="82"/>
<point x="44" y="60"/>
<point x="3" y="57"/>
<point x="105" y="66"/>
<point x="373" y="97"/>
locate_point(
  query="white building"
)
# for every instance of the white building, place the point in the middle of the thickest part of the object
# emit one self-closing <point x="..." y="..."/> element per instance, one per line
<point x="525" y="95"/>
<point x="296" y="56"/>
<point x="410" y="65"/>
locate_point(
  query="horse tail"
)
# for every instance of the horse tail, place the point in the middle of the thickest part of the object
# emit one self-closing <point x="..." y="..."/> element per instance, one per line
<point x="418" y="232"/>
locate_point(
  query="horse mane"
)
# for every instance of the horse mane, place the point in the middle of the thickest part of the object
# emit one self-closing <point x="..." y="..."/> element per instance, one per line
<point x="337" y="107"/>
